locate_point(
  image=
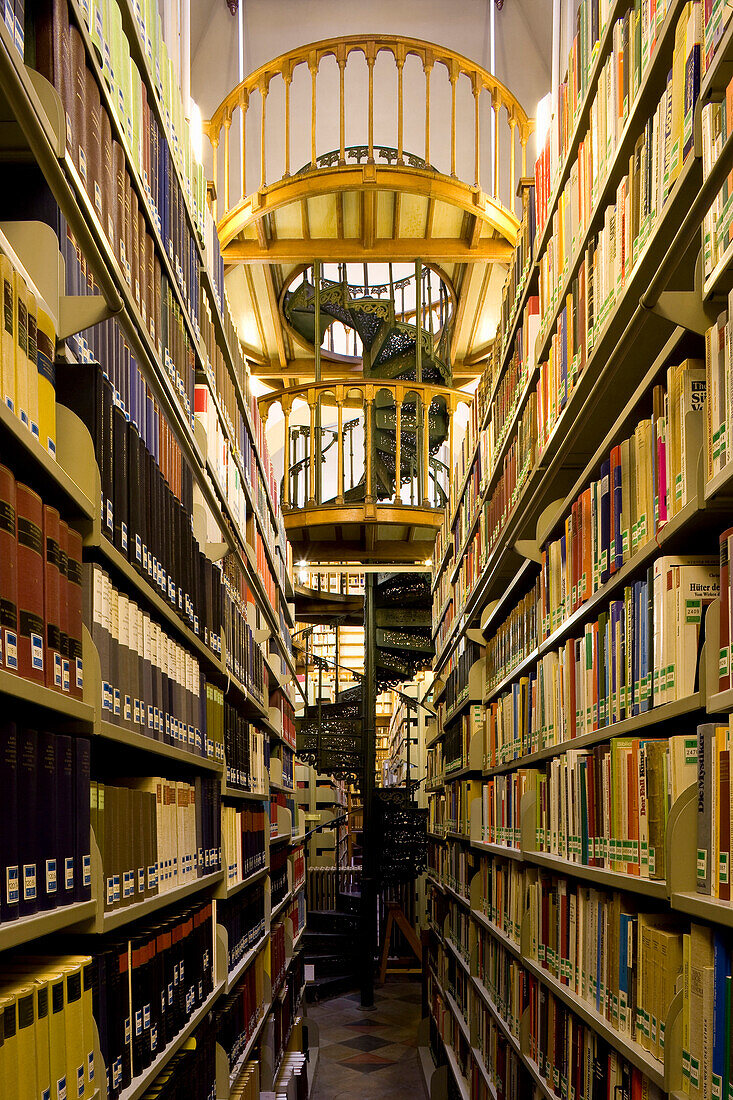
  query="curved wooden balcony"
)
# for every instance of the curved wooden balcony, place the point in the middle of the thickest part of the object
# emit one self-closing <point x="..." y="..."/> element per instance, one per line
<point x="361" y="148"/>
<point x="366" y="467"/>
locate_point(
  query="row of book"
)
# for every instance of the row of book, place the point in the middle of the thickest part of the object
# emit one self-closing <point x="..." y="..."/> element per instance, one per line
<point x="502" y="976"/>
<point x="668" y="141"/>
<point x="243" y="917"/>
<point x="520" y="266"/>
<point x="239" y="1013"/>
<point x="150" y="683"/>
<point x="155" y="835"/>
<point x="191" y="1071"/>
<point x="244" y="658"/>
<point x="45" y="858"/>
<point x="572" y="927"/>
<point x="246" y="750"/>
<point x="451" y="864"/>
<point x="278" y="956"/>
<point x="283" y="705"/>
<point x="293" y="1071"/>
<point x="40" y="591"/>
<point x="145" y="989"/>
<point x="716" y="127"/>
<point x="279" y="874"/>
<point x="644" y="482"/>
<point x="27" y="350"/>
<point x="643" y="651"/>
<point x="243" y="837"/>
<point x="457" y="676"/>
<point x="608" y="806"/>
<point x="607" y="264"/>
<point x="141" y="515"/>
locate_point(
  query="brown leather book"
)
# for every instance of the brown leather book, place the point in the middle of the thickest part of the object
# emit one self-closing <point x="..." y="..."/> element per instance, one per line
<point x="92" y="139"/>
<point x="74" y="623"/>
<point x="52" y="596"/>
<point x="118" y="202"/>
<point x="109" y="187"/>
<point x="31" y="627"/>
<point x="78" y="102"/>
<point x="64" y="605"/>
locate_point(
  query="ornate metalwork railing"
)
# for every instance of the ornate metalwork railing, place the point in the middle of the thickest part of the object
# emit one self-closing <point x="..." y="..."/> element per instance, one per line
<point x="417" y="87"/>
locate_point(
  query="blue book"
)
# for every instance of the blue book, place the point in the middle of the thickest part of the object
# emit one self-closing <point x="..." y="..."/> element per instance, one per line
<point x="721" y="972"/>
<point x="618" y="549"/>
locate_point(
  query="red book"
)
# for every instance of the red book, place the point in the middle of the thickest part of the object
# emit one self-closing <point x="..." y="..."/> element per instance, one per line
<point x="31" y="627"/>
<point x="64" y="605"/>
<point x="74" y="603"/>
<point x="52" y="598"/>
<point x="8" y="573"/>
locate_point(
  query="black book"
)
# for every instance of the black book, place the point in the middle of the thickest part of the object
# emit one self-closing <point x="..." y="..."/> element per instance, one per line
<point x="48" y="869"/>
<point x="28" y="806"/>
<point x="134" y="533"/>
<point x="67" y="869"/>
<point x="82" y="823"/>
<point x="9" y="869"/>
<point x="119" y="481"/>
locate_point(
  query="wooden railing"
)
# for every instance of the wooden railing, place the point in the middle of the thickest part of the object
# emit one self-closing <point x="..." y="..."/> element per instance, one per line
<point x="438" y="76"/>
<point x="334" y="453"/>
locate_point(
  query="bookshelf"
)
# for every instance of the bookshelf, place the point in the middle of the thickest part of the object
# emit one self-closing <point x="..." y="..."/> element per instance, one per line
<point x="537" y="441"/>
<point x="238" y="545"/>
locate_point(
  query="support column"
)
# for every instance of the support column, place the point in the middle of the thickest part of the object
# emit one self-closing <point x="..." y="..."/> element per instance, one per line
<point x="368" y="879"/>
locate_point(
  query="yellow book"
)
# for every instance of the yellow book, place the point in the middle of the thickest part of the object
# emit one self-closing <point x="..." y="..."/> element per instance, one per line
<point x="23" y="971"/>
<point x="8" y="341"/>
<point x="45" y="350"/>
<point x="9" y="1050"/>
<point x="32" y="357"/>
<point x="678" y="96"/>
<point x="21" y="1014"/>
<point x="21" y="349"/>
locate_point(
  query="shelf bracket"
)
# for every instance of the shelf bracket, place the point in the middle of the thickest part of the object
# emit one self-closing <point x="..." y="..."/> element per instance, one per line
<point x="688" y="308"/>
<point x="215" y="551"/>
<point x="53" y="108"/>
<point x="79" y="312"/>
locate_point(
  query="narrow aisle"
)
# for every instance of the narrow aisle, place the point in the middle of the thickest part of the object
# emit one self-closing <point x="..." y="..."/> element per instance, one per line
<point x="367" y="1053"/>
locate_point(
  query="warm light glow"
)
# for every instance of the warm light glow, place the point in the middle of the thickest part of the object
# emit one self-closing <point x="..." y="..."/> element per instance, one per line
<point x="197" y="131"/>
<point x="258" y="387"/>
<point x="543" y="116"/>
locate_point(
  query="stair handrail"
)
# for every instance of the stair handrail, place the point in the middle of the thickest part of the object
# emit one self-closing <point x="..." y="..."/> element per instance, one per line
<point x="505" y="109"/>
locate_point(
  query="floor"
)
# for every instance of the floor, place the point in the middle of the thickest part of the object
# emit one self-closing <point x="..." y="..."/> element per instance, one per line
<point x="368" y="1053"/>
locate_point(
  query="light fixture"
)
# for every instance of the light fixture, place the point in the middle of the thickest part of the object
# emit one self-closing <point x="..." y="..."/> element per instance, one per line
<point x="543" y="116"/>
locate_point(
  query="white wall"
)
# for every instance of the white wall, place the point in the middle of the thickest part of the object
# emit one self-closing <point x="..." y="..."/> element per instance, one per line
<point x="272" y="27"/>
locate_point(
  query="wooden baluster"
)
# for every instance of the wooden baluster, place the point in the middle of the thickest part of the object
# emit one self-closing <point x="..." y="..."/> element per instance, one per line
<point x="243" y="106"/>
<point x="312" y="465"/>
<point x="400" y="61"/>
<point x="496" y="105"/>
<point x="398" y="448"/>
<point x="524" y="137"/>
<point x="264" y="89"/>
<point x="427" y="68"/>
<point x="426" y="453"/>
<point x="342" y="110"/>
<point x="288" y="77"/>
<point x="451" y="415"/>
<point x="286" y="458"/>
<point x="368" y="402"/>
<point x="512" y="164"/>
<point x="215" y="175"/>
<point x="227" y="128"/>
<point x="313" y="66"/>
<point x="370" y="63"/>
<point x="453" y="83"/>
<point x="477" y="131"/>
<point x="340" y="445"/>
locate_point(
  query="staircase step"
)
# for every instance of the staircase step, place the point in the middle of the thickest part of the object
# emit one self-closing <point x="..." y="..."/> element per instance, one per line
<point x="407" y="617"/>
<point x="320" y="988"/>
<point x="400" y="640"/>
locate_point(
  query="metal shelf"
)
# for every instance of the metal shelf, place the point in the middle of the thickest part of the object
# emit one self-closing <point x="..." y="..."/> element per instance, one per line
<point x="25" y="929"/>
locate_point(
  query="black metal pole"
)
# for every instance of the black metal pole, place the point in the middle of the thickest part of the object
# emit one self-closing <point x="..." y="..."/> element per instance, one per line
<point x="368" y="881"/>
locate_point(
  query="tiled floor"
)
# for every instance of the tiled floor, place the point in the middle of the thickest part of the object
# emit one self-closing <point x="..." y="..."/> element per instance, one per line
<point x="370" y="1053"/>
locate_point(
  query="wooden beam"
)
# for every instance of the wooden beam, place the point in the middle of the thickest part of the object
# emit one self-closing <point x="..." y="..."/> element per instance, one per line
<point x="468" y="275"/>
<point x="368" y="219"/>
<point x="275" y="315"/>
<point x="429" y="217"/>
<point x="261" y="234"/>
<point x="396" y="215"/>
<point x="383" y="249"/>
<point x="478" y="311"/>
<point x="305" y="368"/>
<point x="305" y="220"/>
<point x="474" y="231"/>
<point x="256" y="309"/>
<point x="340" y="215"/>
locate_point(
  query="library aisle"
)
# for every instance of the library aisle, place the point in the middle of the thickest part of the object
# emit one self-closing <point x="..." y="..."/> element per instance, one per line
<point x="367" y="1053"/>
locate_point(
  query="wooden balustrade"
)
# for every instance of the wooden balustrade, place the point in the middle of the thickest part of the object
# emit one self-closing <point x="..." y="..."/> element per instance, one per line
<point x="491" y="99"/>
<point x="305" y="487"/>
